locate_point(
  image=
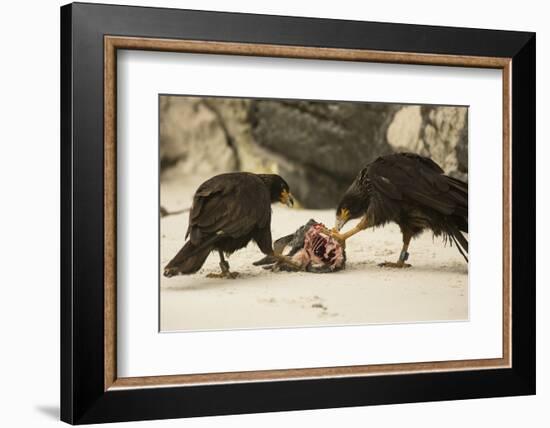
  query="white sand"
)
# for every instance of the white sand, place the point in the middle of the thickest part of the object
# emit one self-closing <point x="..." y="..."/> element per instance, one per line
<point x="434" y="289"/>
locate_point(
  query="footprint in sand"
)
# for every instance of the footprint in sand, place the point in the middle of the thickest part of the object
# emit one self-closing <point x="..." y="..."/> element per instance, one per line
<point x="385" y="252"/>
<point x="325" y="314"/>
<point x="268" y="300"/>
<point x="319" y="305"/>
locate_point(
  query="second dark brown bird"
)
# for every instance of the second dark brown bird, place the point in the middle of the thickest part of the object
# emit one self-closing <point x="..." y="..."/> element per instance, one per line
<point x="409" y="190"/>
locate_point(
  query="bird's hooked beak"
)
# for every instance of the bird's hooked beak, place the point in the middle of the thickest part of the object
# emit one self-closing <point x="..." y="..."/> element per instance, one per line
<point x="286" y="198"/>
<point x="342" y="218"/>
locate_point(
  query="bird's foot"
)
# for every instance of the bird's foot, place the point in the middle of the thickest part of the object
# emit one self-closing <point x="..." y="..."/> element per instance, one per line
<point x="399" y="265"/>
<point x="223" y="275"/>
<point x="336" y="235"/>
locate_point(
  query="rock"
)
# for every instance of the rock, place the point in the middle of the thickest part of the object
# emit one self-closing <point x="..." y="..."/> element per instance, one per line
<point x="404" y="130"/>
<point x="234" y="115"/>
<point x="192" y="139"/>
<point x="445" y="135"/>
<point x="318" y="147"/>
<point x="324" y="144"/>
<point x="440" y="133"/>
<point x="313" y="188"/>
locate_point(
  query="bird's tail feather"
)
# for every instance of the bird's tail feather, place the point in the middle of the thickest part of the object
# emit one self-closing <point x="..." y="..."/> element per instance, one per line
<point x="189" y="259"/>
<point x="458" y="194"/>
<point x="460" y="240"/>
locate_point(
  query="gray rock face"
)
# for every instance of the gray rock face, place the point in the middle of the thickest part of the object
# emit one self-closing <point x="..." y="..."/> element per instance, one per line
<point x="318" y="147"/>
<point x="440" y="133"/>
<point x="324" y="144"/>
<point x="445" y="134"/>
<point x="338" y="138"/>
<point x="192" y="140"/>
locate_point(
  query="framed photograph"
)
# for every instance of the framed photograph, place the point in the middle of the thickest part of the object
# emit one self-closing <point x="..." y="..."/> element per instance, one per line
<point x="265" y="213"/>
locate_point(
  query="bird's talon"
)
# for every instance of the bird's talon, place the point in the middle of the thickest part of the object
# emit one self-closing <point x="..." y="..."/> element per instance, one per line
<point x="331" y="232"/>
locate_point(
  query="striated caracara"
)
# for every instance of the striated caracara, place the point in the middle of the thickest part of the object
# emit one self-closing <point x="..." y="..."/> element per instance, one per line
<point x="409" y="190"/>
<point x="229" y="210"/>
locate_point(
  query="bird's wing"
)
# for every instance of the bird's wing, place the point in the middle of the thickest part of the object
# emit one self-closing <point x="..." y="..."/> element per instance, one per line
<point x="412" y="178"/>
<point x="229" y="207"/>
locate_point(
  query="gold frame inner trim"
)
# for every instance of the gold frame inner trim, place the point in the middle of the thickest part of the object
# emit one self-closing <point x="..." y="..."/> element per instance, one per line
<point x="113" y="43"/>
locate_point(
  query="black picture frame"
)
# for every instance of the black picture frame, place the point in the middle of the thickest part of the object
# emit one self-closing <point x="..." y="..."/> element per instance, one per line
<point x="83" y="398"/>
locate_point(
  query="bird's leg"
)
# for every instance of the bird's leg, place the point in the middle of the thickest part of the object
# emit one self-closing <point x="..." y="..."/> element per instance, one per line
<point x="403" y="256"/>
<point x="341" y="237"/>
<point x="224" y="266"/>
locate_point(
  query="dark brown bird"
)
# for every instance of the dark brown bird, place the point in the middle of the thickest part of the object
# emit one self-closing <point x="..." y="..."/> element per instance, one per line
<point x="409" y="190"/>
<point x="228" y="211"/>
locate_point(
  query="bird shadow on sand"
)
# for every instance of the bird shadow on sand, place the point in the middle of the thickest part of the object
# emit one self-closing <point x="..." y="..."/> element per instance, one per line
<point x="372" y="266"/>
<point x="201" y="282"/>
<point x="365" y="265"/>
<point x="457" y="267"/>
